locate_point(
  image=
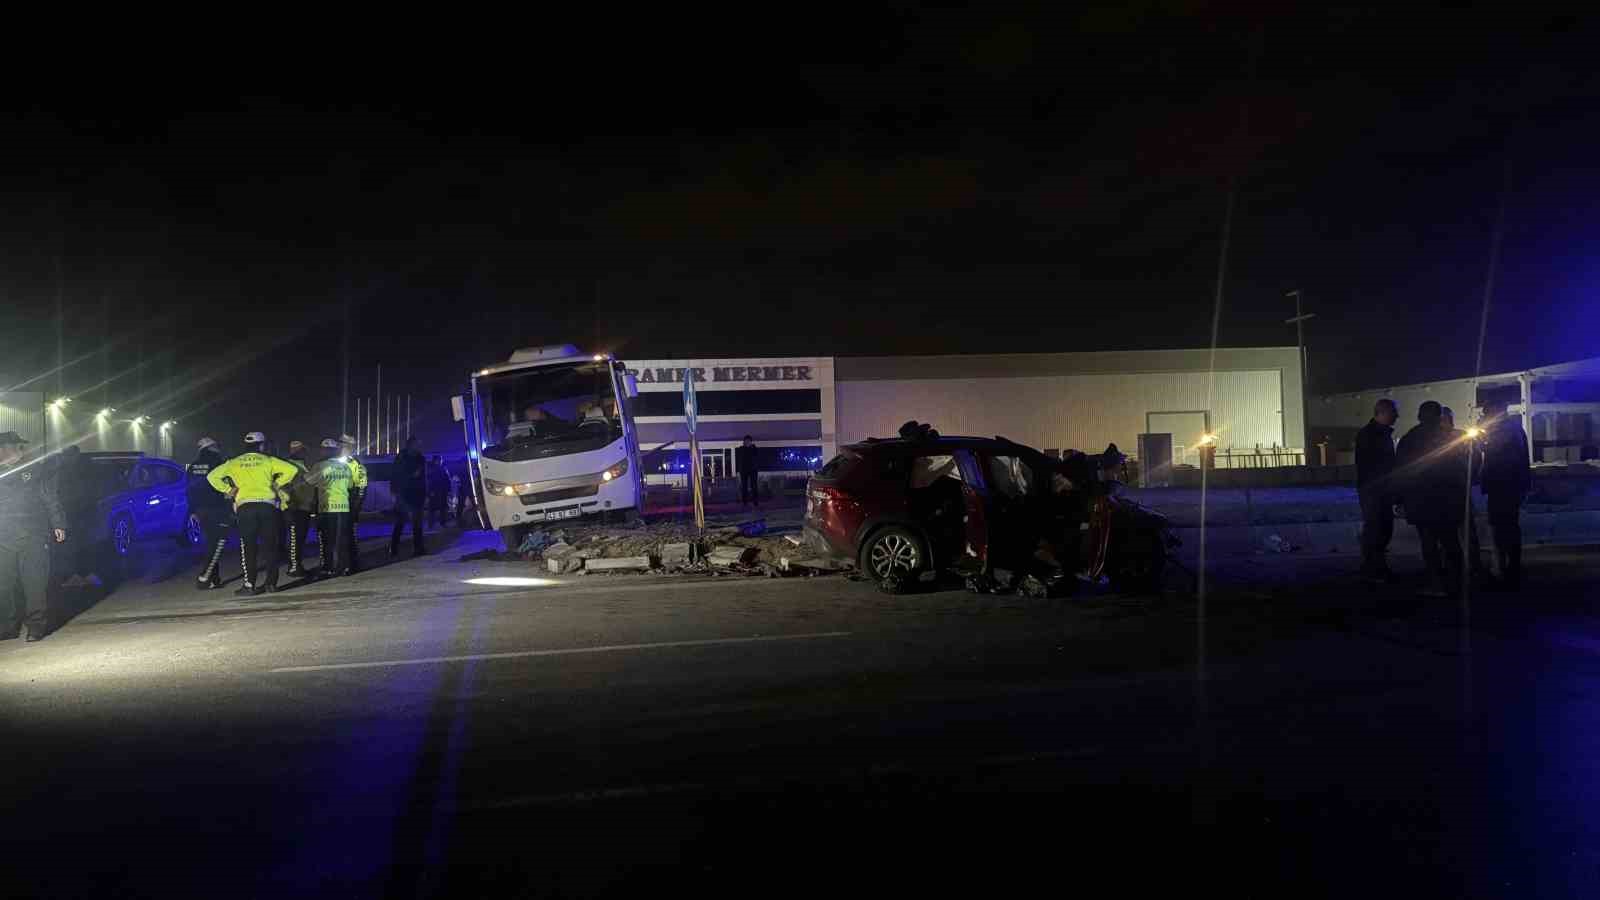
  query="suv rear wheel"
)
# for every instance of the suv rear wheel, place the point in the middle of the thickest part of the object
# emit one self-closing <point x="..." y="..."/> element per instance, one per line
<point x="895" y="549"/>
<point x="193" y="534"/>
<point x="122" y="535"/>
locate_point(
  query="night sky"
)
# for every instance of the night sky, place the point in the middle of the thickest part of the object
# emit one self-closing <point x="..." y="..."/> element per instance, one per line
<point x="821" y="184"/>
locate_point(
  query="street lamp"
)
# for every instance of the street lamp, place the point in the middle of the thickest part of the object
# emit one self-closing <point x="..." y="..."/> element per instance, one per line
<point x="106" y="413"/>
<point x="60" y="403"/>
<point x="167" y="425"/>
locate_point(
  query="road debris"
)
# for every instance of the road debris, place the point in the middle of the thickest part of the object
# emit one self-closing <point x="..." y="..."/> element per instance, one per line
<point x="751" y="548"/>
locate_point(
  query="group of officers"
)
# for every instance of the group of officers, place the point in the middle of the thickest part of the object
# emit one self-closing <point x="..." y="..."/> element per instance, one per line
<point x="272" y="503"/>
<point x="1428" y="475"/>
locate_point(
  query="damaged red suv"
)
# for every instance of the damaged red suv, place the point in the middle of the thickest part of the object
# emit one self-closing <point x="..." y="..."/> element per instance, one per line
<point x="914" y="507"/>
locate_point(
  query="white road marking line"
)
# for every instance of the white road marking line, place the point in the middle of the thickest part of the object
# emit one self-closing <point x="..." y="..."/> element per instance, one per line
<point x="568" y="651"/>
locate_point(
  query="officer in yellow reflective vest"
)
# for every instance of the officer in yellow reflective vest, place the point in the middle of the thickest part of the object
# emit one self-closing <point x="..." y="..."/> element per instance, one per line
<point x="251" y="482"/>
<point x="331" y="477"/>
<point x="358" y="496"/>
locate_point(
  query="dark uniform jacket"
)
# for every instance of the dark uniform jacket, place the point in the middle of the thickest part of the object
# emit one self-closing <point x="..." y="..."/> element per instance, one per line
<point x="1505" y="459"/>
<point x="29" y="507"/>
<point x="744" y="459"/>
<point x="202" y="496"/>
<point x="438" y="481"/>
<point x="1431" y="476"/>
<point x="1375" y="455"/>
<point x="409" y="479"/>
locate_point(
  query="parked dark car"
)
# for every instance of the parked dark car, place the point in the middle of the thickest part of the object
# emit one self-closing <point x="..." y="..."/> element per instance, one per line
<point x="918" y="506"/>
<point x="139" y="498"/>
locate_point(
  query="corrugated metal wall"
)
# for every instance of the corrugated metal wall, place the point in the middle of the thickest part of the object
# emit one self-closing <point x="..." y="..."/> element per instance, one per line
<point x="1345" y="411"/>
<point x="23" y="412"/>
<point x="1085" y="412"/>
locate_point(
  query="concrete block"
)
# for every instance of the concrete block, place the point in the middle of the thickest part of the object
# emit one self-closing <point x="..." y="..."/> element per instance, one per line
<point x="728" y="555"/>
<point x="620" y="564"/>
<point x="565" y="565"/>
<point x="676" y="554"/>
<point x="809" y="564"/>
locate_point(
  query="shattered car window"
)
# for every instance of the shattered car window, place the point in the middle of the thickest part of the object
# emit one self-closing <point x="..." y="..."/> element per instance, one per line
<point x="925" y="470"/>
<point x="1009" y="476"/>
<point x="837" y="466"/>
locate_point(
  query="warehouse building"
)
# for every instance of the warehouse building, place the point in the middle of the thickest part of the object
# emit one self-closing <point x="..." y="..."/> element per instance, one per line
<point x="1559" y="406"/>
<point x="801" y="410"/>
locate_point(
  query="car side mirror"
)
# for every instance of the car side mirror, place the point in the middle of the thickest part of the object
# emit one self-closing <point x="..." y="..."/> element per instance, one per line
<point x="458" y="408"/>
<point x="632" y="385"/>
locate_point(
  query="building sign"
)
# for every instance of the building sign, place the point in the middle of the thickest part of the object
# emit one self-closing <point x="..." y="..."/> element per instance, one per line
<point x="722" y="374"/>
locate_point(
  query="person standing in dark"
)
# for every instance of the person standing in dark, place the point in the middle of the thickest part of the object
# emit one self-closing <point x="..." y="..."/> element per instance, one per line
<point x="744" y="458"/>
<point x="1375" y="456"/>
<point x="30" y="515"/>
<point x="409" y="484"/>
<point x="210" y="509"/>
<point x="1470" y="447"/>
<point x="75" y="489"/>
<point x="438" y="490"/>
<point x="1431" y="476"/>
<point x="1507" y="479"/>
<point x="300" y="501"/>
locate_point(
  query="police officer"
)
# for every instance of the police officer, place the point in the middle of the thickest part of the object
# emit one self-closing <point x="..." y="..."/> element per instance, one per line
<point x="358" y="497"/>
<point x="211" y="509"/>
<point x="332" y="478"/>
<point x="299" y="500"/>
<point x="251" y="480"/>
<point x="30" y="514"/>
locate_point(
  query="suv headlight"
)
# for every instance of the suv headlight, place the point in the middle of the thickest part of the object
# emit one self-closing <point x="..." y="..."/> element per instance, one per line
<point x="616" y="471"/>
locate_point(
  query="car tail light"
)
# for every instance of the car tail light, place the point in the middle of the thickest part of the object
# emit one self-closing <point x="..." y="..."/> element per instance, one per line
<point x="818" y="496"/>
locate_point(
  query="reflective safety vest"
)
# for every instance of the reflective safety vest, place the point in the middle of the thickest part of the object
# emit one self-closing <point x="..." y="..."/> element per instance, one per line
<point x="256" y="475"/>
<point x="358" y="474"/>
<point x="333" y="479"/>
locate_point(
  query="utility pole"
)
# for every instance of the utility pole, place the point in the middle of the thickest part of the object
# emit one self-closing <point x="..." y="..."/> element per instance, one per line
<point x="344" y="394"/>
<point x="1299" y="323"/>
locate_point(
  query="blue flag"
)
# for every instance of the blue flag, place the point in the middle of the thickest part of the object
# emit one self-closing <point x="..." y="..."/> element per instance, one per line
<point x="691" y="408"/>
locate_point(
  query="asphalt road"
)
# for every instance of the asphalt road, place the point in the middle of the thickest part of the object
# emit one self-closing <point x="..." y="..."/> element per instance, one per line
<point x="408" y="732"/>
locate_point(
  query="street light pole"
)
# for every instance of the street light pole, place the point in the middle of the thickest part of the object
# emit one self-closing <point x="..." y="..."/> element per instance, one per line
<point x="1299" y="323"/>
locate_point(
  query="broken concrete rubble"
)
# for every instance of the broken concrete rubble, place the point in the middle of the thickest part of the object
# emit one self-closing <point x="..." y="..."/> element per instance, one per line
<point x="670" y="546"/>
<point x="729" y="555"/>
